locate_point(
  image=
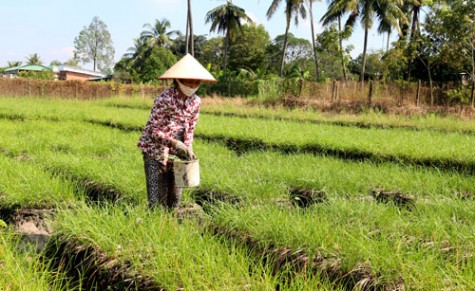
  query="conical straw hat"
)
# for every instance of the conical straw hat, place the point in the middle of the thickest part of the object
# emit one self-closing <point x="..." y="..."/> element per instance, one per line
<point x="188" y="68"/>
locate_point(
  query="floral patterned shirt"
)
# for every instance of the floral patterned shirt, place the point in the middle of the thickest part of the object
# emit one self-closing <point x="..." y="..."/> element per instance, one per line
<point x="169" y="117"/>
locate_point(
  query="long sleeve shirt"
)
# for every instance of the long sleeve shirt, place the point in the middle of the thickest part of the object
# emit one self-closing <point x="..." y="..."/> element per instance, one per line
<point x="169" y="117"/>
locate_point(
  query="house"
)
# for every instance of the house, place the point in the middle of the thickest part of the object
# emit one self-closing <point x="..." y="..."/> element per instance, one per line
<point x="61" y="72"/>
<point x="75" y="73"/>
<point x="13" y="71"/>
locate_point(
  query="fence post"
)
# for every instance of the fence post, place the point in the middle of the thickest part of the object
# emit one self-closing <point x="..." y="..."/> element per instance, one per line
<point x="333" y="91"/>
<point x="418" y="93"/>
<point x="370" y="94"/>
<point x="338" y="91"/>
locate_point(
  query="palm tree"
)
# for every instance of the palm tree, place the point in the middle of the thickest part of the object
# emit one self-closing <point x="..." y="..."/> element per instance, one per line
<point x="138" y="52"/>
<point x="414" y="8"/>
<point x="310" y="9"/>
<point x="227" y="19"/>
<point x="157" y="34"/>
<point x="387" y="11"/>
<point x="34" y="59"/>
<point x="189" y="31"/>
<point x="292" y="9"/>
<point x="14" y="64"/>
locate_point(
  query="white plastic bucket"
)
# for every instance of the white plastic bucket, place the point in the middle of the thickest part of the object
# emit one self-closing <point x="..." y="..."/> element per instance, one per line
<point x="187" y="173"/>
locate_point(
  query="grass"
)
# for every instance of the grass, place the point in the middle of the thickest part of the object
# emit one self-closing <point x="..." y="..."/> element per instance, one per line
<point x="175" y="254"/>
<point x="428" y="245"/>
<point x="28" y="186"/>
<point x="22" y="270"/>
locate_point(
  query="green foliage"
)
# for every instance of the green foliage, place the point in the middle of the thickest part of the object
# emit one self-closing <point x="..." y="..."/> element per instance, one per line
<point x="329" y="53"/>
<point x="213" y="53"/>
<point x="248" y="50"/>
<point x="394" y="64"/>
<point x="43" y="75"/>
<point x="157" y="34"/>
<point x="460" y="95"/>
<point x="375" y="65"/>
<point x="146" y="64"/>
<point x="94" y="44"/>
<point x="34" y="59"/>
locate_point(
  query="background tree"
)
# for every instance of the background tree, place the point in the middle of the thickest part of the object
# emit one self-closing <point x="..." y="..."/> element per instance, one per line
<point x="227" y="19"/>
<point x="158" y="33"/>
<point x="387" y="12"/>
<point x="34" y="59"/>
<point x="248" y="50"/>
<point x="452" y="28"/>
<point x="213" y="53"/>
<point x="179" y="46"/>
<point x="190" y="43"/>
<point x="312" y="29"/>
<point x="55" y="63"/>
<point x="333" y="58"/>
<point x="94" y="44"/>
<point x="292" y="9"/>
<point x="13" y="64"/>
<point x="144" y="63"/>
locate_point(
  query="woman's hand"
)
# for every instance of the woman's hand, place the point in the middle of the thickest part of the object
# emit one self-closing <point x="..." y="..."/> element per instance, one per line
<point x="182" y="151"/>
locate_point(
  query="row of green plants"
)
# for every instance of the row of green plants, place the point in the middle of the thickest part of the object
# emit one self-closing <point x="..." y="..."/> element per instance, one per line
<point x="22" y="269"/>
<point x="150" y="241"/>
<point x="352" y="230"/>
<point x="72" y="109"/>
<point x="453" y="149"/>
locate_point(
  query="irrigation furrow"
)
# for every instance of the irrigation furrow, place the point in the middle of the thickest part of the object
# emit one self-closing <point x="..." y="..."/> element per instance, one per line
<point x="241" y="146"/>
<point x="91" y="269"/>
<point x="298" y="261"/>
<point x="95" y="192"/>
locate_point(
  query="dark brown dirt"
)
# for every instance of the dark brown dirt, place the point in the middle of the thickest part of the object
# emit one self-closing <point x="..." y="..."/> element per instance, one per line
<point x="34" y="228"/>
<point x="307" y="197"/>
<point x="90" y="269"/>
<point x="398" y="198"/>
<point x="290" y="262"/>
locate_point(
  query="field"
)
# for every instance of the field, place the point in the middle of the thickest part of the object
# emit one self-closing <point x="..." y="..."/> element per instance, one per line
<point x="289" y="200"/>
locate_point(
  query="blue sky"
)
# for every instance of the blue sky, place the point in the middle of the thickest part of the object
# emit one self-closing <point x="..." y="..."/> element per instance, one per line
<point x="48" y="27"/>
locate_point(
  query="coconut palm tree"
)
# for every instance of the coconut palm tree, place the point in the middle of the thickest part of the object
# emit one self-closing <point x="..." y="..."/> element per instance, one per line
<point x="310" y="9"/>
<point x="292" y="9"/>
<point x="413" y="8"/>
<point x="227" y="19"/>
<point x="157" y="34"/>
<point x="189" y="31"/>
<point x="34" y="59"/>
<point x="387" y="11"/>
<point x="14" y="64"/>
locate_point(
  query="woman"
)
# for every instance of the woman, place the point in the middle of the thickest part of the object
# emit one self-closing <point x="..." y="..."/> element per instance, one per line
<point x="170" y="129"/>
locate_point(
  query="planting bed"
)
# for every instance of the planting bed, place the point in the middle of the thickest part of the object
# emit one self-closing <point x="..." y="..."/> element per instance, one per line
<point x="274" y="213"/>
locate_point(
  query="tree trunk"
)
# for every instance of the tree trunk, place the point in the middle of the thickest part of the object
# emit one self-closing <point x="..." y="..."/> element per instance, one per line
<point x="226" y="44"/>
<point x="284" y="49"/>
<point x="414" y="31"/>
<point x="472" y="97"/>
<point x="418" y="93"/>
<point x="364" y="54"/>
<point x="343" y="66"/>
<point x="187" y="34"/>
<point x="309" y="2"/>
<point x="190" y="21"/>
<point x="387" y="42"/>
<point x="430" y="84"/>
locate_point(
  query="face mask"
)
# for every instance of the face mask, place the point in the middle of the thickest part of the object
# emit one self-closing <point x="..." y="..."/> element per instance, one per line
<point x="187" y="91"/>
